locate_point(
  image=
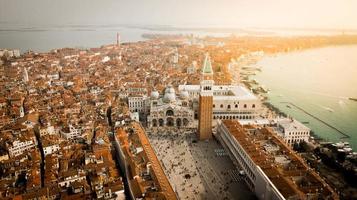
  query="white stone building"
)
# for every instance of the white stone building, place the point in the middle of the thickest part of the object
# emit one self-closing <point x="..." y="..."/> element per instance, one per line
<point x="50" y="149"/>
<point x="19" y="146"/>
<point x="49" y="146"/>
<point x="169" y="110"/>
<point x="71" y="132"/>
<point x="69" y="177"/>
<point x="137" y="103"/>
<point x="229" y="101"/>
<point x="292" y="131"/>
<point x="49" y="130"/>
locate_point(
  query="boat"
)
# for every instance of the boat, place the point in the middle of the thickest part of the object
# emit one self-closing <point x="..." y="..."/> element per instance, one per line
<point x="329" y="109"/>
<point x="352" y="99"/>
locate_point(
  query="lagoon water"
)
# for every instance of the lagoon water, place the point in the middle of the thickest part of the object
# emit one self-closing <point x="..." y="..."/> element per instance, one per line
<point x="47" y="37"/>
<point x="320" y="81"/>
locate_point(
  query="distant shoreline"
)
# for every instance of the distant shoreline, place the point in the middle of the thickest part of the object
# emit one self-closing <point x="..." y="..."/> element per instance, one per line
<point x="46" y="38"/>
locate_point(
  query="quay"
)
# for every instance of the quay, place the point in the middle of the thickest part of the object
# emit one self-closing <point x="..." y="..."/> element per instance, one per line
<point x="345" y="136"/>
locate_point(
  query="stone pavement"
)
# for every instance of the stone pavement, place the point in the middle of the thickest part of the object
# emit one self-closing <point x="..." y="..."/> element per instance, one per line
<point x="196" y="169"/>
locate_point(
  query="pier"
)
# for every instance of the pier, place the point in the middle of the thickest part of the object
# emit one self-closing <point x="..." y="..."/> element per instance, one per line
<point x="344" y="135"/>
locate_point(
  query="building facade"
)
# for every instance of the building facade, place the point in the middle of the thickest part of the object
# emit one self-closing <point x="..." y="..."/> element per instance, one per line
<point x="19" y="146"/>
<point x="270" y="168"/>
<point x="292" y="131"/>
<point x="137" y="103"/>
<point x="170" y="111"/>
<point x="229" y="101"/>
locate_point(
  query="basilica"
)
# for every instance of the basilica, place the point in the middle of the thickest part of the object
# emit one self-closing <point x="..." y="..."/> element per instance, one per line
<point x="169" y="109"/>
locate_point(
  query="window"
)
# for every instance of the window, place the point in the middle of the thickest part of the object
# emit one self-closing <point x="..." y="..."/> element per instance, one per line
<point x="221" y="105"/>
<point x="229" y="106"/>
<point x="214" y="106"/>
<point x="236" y="106"/>
<point x="245" y="106"/>
<point x="253" y="106"/>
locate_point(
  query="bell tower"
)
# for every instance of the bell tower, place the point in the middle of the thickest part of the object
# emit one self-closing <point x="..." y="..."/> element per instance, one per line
<point x="205" y="112"/>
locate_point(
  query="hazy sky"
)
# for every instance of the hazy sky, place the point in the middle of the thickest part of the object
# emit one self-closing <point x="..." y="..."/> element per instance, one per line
<point x="234" y="13"/>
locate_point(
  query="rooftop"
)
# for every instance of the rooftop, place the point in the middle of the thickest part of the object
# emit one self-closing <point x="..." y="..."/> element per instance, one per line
<point x="142" y="159"/>
<point x="224" y="91"/>
<point x="287" y="171"/>
<point x="292" y="125"/>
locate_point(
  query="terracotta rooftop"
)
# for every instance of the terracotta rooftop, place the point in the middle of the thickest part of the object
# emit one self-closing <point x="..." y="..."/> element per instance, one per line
<point x="139" y="161"/>
<point x="294" y="179"/>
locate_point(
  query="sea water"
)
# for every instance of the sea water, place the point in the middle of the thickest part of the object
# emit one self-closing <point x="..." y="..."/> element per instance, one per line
<point x="319" y="81"/>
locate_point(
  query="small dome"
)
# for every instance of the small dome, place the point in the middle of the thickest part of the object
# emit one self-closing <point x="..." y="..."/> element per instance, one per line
<point x="184" y="94"/>
<point x="154" y="94"/>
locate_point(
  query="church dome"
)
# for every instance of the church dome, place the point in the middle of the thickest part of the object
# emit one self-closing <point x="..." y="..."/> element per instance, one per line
<point x="184" y="94"/>
<point x="154" y="94"/>
<point x="169" y="89"/>
<point x="169" y="95"/>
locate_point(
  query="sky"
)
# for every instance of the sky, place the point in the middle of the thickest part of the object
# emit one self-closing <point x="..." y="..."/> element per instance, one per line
<point x="331" y="14"/>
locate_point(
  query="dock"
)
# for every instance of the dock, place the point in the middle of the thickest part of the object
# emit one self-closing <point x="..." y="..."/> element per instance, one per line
<point x="344" y="135"/>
